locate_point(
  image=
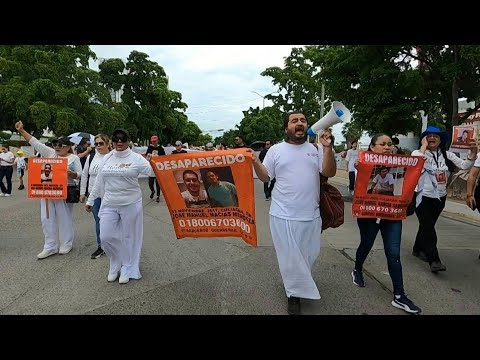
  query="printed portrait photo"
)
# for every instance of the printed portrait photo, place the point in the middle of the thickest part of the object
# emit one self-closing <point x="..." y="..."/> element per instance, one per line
<point x="46" y="175"/>
<point x="192" y="189"/>
<point x="463" y="137"/>
<point x="220" y="186"/>
<point x="386" y="180"/>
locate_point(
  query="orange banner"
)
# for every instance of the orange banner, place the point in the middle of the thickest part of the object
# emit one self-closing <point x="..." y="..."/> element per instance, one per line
<point x="210" y="193"/>
<point x="385" y="185"/>
<point x="47" y="178"/>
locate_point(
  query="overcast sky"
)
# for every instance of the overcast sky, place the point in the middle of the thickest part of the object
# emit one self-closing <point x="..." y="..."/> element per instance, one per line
<point x="216" y="81"/>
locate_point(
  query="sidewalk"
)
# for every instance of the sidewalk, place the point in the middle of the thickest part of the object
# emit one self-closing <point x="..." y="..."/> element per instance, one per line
<point x="453" y="209"/>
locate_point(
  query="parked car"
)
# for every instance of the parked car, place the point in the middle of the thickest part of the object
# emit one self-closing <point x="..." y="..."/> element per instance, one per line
<point x="257" y="145"/>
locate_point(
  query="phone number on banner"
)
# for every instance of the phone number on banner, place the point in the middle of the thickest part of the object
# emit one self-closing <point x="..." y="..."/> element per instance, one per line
<point x="215" y="223"/>
<point x="384" y="209"/>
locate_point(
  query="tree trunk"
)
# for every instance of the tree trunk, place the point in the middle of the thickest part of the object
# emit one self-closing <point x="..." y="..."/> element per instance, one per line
<point x="455" y="90"/>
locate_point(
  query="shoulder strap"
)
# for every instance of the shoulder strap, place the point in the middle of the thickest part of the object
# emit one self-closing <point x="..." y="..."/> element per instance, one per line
<point x="90" y="158"/>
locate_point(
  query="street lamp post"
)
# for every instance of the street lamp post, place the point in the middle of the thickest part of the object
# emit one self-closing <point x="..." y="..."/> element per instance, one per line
<point x="264" y="96"/>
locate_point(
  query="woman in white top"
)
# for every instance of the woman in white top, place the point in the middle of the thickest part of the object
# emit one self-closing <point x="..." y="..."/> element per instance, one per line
<point x="89" y="174"/>
<point x="57" y="220"/>
<point x="352" y="156"/>
<point x="6" y="170"/>
<point x="121" y="212"/>
<point x="432" y="188"/>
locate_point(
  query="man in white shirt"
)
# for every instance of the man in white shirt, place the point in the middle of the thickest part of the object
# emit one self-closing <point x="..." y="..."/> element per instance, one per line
<point x="6" y="170"/>
<point x="383" y="183"/>
<point x="295" y="222"/>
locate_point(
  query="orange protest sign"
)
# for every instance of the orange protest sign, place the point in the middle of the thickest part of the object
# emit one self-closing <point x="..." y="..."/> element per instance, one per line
<point x="47" y="178"/>
<point x="209" y="194"/>
<point x="385" y="185"/>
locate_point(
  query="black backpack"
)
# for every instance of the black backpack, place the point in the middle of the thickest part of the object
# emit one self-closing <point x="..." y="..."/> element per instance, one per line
<point x="90" y="158"/>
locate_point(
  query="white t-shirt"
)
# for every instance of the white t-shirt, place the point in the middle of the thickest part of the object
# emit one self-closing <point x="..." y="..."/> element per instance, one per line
<point x="195" y="202"/>
<point x="6" y="156"/>
<point x="477" y="161"/>
<point x="117" y="178"/>
<point x="352" y="155"/>
<point x="92" y="170"/>
<point x="436" y="163"/>
<point x="296" y="168"/>
<point x="383" y="183"/>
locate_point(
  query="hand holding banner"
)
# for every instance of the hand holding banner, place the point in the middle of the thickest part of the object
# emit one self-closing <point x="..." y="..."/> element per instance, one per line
<point x="385" y="185"/>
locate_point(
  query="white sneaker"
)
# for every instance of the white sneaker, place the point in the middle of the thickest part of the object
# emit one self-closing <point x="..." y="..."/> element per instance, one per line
<point x="64" y="251"/>
<point x="112" y="276"/>
<point x="2" y="194"/>
<point x="46" y="253"/>
<point x="7" y="195"/>
<point x="123" y="279"/>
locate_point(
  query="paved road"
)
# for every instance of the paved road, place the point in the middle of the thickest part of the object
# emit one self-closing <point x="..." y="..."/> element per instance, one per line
<point x="221" y="275"/>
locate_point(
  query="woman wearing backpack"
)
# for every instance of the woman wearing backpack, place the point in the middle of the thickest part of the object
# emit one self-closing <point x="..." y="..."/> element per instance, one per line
<point x="391" y="231"/>
<point x="89" y="174"/>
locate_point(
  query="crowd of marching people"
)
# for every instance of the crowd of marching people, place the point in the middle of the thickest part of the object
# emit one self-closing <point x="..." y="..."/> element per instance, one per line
<point x="108" y="169"/>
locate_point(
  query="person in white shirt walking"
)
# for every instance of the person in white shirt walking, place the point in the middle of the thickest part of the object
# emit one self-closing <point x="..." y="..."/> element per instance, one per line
<point x="121" y="211"/>
<point x="352" y="155"/>
<point x="7" y="160"/>
<point x="57" y="219"/>
<point x="21" y="167"/>
<point x="432" y="188"/>
<point x="89" y="174"/>
<point x="295" y="222"/>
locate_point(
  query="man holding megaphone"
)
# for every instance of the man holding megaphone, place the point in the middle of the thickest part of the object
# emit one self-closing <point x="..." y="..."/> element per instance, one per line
<point x="295" y="221"/>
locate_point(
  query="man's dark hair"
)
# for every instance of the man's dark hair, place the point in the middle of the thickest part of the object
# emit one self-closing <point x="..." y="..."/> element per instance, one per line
<point x="49" y="165"/>
<point x="241" y="137"/>
<point x="189" y="172"/>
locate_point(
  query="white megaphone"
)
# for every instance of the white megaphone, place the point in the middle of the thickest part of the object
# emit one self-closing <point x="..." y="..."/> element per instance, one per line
<point x="337" y="114"/>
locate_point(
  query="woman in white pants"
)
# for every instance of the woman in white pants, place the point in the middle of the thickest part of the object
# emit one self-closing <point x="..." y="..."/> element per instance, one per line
<point x="57" y="222"/>
<point x="121" y="211"/>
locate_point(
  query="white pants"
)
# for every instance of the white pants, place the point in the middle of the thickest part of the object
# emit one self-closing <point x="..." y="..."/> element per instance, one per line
<point x="121" y="235"/>
<point x="297" y="244"/>
<point x="58" y="229"/>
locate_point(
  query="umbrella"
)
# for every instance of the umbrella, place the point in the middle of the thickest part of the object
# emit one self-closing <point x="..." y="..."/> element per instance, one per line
<point x="77" y="138"/>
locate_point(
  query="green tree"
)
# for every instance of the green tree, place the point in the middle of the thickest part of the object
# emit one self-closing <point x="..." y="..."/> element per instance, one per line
<point x="260" y="125"/>
<point x="51" y="86"/>
<point x="298" y="84"/>
<point x="152" y="108"/>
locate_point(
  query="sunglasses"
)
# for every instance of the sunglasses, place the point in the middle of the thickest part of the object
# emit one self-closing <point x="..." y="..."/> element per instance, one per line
<point x="58" y="145"/>
<point x="100" y="143"/>
<point x="117" y="138"/>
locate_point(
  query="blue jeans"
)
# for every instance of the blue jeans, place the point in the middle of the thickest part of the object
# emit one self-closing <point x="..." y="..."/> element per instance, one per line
<point x="95" y="210"/>
<point x="391" y="231"/>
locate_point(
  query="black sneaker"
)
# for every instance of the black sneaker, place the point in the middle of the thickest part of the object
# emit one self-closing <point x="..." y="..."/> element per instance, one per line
<point x="357" y="277"/>
<point x="152" y="194"/>
<point x="420" y="254"/>
<point x="293" y="307"/>
<point x="21" y="187"/>
<point x="158" y="199"/>
<point x="99" y="252"/>
<point x="404" y="303"/>
<point x="437" y="266"/>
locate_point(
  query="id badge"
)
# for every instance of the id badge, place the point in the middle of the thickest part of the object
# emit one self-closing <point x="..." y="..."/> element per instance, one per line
<point x="441" y="177"/>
